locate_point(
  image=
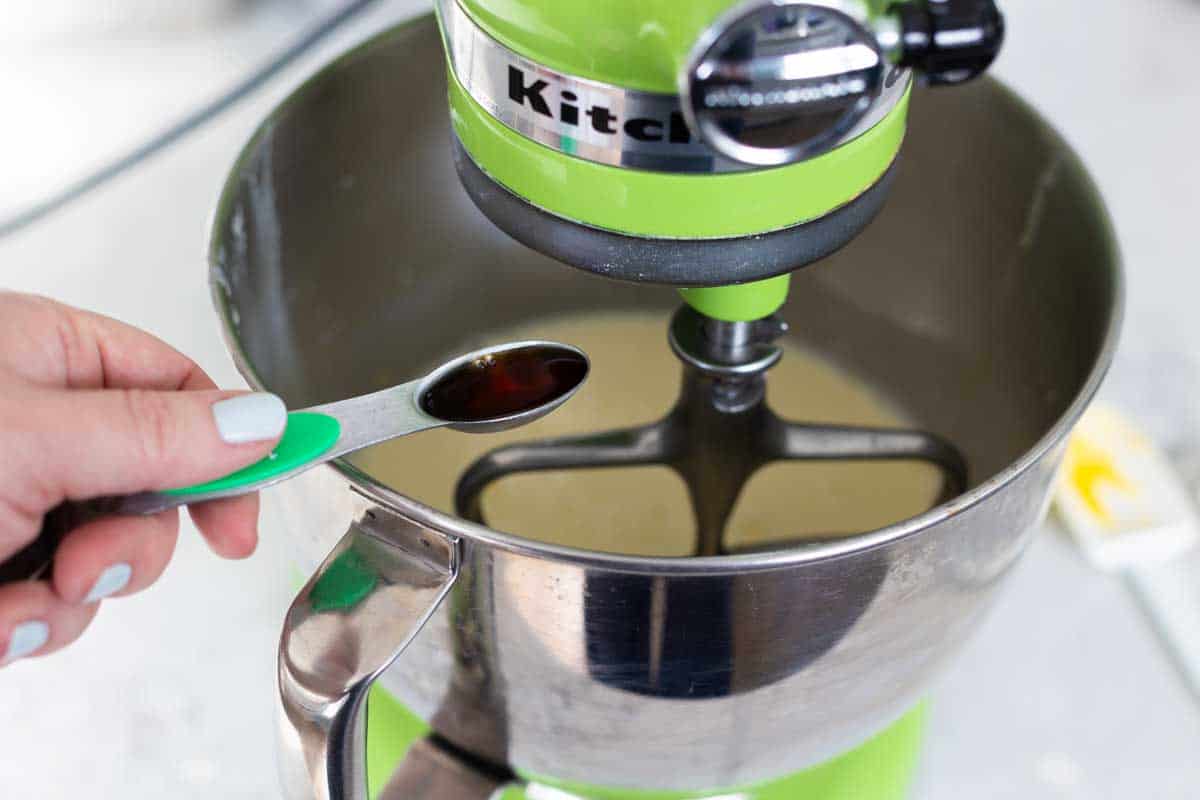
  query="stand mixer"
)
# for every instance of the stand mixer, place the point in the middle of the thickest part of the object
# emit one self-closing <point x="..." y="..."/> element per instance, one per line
<point x="716" y="148"/>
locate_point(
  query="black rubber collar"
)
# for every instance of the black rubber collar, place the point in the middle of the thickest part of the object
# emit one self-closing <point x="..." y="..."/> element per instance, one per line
<point x="679" y="262"/>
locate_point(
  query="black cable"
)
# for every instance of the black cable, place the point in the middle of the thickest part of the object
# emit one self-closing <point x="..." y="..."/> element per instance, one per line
<point x="204" y="114"/>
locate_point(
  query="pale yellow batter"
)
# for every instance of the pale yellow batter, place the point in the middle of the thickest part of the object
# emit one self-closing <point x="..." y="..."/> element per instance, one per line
<point x="645" y="510"/>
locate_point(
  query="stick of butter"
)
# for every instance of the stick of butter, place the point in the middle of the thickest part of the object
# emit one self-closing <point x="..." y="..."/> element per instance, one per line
<point x="1129" y="510"/>
<point x="1120" y="497"/>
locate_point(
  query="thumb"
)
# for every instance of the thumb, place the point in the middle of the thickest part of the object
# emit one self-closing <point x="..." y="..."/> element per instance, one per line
<point x="82" y="444"/>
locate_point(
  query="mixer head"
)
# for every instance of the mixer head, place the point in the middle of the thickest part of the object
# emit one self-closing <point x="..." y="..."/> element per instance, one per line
<point x="703" y="143"/>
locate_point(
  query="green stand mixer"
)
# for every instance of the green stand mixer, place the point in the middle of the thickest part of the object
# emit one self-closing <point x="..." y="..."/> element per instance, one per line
<point x="703" y="149"/>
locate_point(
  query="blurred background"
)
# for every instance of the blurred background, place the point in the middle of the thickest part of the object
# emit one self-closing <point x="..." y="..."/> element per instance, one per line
<point x="1064" y="693"/>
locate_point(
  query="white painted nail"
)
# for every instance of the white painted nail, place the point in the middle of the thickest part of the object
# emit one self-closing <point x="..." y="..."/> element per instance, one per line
<point x="25" y="639"/>
<point x="250" y="417"/>
<point x="111" y="581"/>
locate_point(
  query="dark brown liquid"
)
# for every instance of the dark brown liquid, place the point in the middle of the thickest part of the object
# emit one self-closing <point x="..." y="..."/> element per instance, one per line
<point x="509" y="382"/>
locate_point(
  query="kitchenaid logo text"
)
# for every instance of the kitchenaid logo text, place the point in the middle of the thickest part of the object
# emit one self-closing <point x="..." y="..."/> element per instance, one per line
<point x="600" y="119"/>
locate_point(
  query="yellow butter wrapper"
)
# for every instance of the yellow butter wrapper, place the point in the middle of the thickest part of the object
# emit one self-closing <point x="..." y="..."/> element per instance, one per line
<point x="1119" y="495"/>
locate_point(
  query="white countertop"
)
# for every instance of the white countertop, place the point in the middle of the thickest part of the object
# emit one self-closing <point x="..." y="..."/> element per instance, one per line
<point x="1063" y="693"/>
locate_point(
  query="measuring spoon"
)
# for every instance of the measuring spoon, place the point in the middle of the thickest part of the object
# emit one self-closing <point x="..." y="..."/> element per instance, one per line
<point x="488" y="390"/>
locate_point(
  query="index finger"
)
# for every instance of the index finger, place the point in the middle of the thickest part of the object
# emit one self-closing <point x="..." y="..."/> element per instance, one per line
<point x="58" y="346"/>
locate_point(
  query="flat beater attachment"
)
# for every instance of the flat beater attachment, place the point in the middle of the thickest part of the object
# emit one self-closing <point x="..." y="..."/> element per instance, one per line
<point x="718" y="434"/>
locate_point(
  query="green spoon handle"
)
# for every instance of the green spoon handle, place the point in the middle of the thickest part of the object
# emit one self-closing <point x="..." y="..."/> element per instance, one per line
<point x="312" y="436"/>
<point x="307" y="438"/>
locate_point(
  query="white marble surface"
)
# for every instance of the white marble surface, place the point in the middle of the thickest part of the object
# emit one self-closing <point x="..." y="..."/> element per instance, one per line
<point x="1064" y="692"/>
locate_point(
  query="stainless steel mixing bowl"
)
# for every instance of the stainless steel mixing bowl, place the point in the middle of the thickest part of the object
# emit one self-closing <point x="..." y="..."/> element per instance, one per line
<point x="346" y="256"/>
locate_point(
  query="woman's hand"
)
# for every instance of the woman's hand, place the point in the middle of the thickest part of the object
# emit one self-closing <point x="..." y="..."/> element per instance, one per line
<point x="91" y="407"/>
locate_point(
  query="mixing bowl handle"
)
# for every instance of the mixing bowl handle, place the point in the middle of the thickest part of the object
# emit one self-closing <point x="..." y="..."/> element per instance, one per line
<point x="351" y="620"/>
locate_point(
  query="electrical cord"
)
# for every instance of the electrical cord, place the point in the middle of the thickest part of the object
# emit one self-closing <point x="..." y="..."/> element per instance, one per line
<point x="190" y="123"/>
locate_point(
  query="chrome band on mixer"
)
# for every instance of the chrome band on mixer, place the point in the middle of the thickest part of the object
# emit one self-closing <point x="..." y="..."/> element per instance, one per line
<point x="598" y="121"/>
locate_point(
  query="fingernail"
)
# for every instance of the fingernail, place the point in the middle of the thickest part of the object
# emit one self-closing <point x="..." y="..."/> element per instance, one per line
<point x="250" y="417"/>
<point x="111" y="581"/>
<point x="25" y="639"/>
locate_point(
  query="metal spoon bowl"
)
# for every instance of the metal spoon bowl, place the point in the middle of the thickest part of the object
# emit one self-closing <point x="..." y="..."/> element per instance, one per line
<point x="367" y="420"/>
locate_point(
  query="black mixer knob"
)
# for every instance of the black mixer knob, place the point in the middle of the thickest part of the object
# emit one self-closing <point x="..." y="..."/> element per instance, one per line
<point x="949" y="41"/>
